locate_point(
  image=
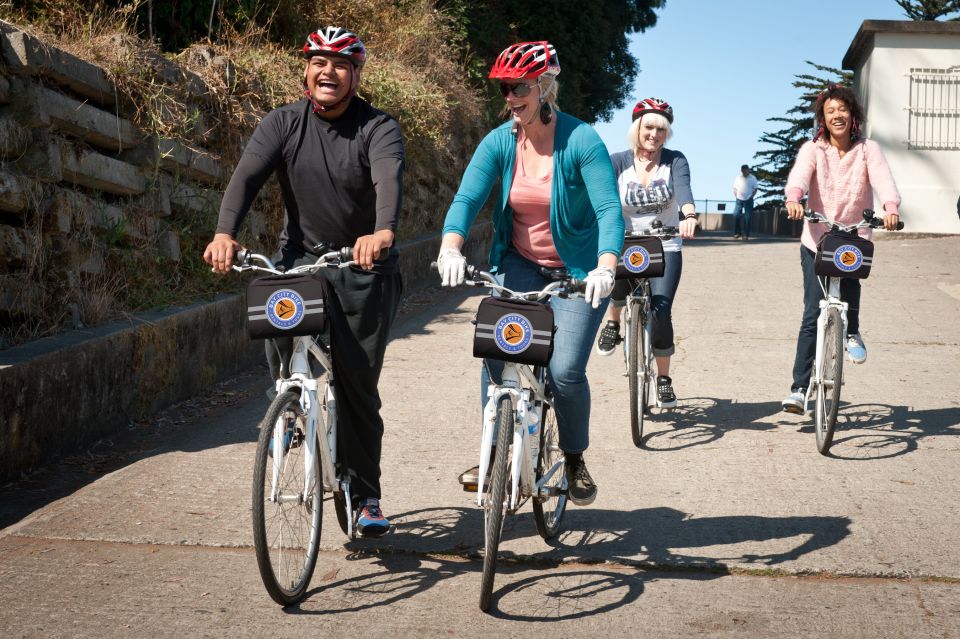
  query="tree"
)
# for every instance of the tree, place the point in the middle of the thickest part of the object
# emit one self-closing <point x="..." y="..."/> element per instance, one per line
<point x="591" y="40"/>
<point x="777" y="161"/>
<point x="929" y="9"/>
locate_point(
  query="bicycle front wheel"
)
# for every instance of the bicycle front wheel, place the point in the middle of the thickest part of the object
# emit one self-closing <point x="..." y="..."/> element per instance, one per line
<point x="637" y="372"/>
<point x="831" y="378"/>
<point x="494" y="503"/>
<point x="287" y="510"/>
<point x="550" y="504"/>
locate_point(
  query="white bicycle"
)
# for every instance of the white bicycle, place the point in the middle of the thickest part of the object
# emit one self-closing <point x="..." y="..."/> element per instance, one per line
<point x="296" y="458"/>
<point x="826" y="379"/>
<point x="638" y="358"/>
<point x="527" y="462"/>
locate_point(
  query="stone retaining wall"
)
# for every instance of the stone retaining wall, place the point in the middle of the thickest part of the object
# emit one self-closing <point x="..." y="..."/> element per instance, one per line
<point x="61" y="394"/>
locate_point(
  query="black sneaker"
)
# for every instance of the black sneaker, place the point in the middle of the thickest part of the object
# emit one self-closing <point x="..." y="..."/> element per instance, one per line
<point x="609" y="338"/>
<point x="580" y="487"/>
<point x="665" y="396"/>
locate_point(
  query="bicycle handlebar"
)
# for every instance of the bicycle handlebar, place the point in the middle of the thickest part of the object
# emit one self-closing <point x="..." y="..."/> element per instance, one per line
<point x="870" y="220"/>
<point x="244" y="259"/>
<point x="561" y="286"/>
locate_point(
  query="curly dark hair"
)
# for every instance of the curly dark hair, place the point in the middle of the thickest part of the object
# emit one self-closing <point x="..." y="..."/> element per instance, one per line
<point x="848" y="97"/>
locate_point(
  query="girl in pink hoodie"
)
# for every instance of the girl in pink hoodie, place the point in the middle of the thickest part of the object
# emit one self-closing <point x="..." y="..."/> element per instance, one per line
<point x="838" y="171"/>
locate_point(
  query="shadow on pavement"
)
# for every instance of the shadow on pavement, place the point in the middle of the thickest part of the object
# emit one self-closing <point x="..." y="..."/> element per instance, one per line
<point x="881" y="431"/>
<point x="658" y="540"/>
<point x="701" y="420"/>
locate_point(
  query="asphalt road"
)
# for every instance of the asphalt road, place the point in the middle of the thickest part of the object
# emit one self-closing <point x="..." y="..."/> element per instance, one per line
<point x="729" y="523"/>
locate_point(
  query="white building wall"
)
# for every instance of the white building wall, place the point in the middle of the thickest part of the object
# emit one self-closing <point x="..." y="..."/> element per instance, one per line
<point x="928" y="180"/>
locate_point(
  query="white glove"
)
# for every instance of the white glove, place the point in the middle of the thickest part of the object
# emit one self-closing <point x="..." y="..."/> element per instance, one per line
<point x="599" y="284"/>
<point x="452" y="266"/>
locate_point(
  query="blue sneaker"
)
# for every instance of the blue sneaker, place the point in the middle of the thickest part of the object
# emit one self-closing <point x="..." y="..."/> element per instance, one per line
<point x="856" y="349"/>
<point x="287" y="436"/>
<point x="370" y="519"/>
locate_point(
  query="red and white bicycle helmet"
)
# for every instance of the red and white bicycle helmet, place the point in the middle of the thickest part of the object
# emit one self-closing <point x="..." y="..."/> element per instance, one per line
<point x="526" y="60"/>
<point x="653" y="105"/>
<point x="335" y="41"/>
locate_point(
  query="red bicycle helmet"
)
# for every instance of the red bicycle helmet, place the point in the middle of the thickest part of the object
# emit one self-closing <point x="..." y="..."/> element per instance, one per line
<point x="653" y="105"/>
<point x="335" y="41"/>
<point x="526" y="60"/>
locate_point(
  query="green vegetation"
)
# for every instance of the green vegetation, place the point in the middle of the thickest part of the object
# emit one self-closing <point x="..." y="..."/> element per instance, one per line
<point x="776" y="162"/>
<point x="427" y="66"/>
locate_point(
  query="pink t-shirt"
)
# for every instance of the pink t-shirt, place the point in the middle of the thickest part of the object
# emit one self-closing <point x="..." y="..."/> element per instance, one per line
<point x="530" y="201"/>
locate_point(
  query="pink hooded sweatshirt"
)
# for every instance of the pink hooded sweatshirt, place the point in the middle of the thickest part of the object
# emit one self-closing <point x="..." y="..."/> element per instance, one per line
<point x="841" y="188"/>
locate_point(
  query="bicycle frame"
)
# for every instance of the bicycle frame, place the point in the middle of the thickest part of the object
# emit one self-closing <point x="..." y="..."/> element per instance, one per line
<point x="527" y="392"/>
<point x="301" y="377"/>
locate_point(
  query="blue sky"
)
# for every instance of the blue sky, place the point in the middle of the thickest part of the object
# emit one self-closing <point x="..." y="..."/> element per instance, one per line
<point x="726" y="66"/>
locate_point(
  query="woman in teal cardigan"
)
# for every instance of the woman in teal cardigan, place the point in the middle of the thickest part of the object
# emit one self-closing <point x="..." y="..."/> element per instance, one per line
<point x="557" y="206"/>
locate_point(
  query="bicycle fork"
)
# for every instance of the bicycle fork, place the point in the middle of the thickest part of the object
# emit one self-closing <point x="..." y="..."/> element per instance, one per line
<point x="832" y="299"/>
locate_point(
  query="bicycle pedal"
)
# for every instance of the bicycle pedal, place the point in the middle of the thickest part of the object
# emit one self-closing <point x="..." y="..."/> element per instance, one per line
<point x="469" y="488"/>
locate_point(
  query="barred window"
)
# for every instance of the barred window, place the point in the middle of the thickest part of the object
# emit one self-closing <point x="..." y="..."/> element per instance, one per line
<point x="934" y="121"/>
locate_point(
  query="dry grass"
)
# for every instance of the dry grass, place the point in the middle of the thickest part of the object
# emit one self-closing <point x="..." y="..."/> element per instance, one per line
<point x="413" y="73"/>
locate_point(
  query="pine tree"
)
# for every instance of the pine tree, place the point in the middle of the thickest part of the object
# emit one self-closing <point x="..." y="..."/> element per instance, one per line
<point x="930" y="9"/>
<point x="798" y="122"/>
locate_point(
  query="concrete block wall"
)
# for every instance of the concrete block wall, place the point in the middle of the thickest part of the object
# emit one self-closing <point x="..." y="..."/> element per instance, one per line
<point x="72" y="159"/>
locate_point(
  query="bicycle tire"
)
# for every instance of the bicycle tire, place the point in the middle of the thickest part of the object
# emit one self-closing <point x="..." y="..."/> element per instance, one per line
<point x="548" y="512"/>
<point x="637" y="371"/>
<point x="831" y="380"/>
<point x="286" y="533"/>
<point x="494" y="502"/>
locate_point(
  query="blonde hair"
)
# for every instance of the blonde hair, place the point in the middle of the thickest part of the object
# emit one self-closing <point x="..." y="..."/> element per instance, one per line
<point x="657" y="120"/>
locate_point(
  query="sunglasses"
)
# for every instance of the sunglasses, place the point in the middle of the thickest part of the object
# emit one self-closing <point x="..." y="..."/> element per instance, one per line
<point x="521" y="90"/>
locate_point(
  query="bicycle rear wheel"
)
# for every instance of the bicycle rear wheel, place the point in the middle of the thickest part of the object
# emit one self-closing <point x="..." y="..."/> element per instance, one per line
<point x="828" y="389"/>
<point x="548" y="508"/>
<point x="286" y="515"/>
<point x="637" y="373"/>
<point x="495" y="500"/>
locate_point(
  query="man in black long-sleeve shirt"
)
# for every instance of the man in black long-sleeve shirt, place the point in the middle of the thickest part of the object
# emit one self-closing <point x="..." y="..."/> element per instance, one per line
<point x="339" y="162"/>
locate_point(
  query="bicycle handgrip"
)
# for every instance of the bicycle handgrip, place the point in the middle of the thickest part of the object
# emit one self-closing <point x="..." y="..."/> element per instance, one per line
<point x="576" y="286"/>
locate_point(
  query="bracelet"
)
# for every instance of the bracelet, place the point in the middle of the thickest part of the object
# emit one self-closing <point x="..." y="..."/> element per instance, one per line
<point x="690" y="216"/>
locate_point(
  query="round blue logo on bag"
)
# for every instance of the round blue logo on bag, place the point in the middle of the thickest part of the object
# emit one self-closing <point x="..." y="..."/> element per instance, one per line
<point x="636" y="259"/>
<point x="847" y="258"/>
<point x="513" y="333"/>
<point x="285" y="309"/>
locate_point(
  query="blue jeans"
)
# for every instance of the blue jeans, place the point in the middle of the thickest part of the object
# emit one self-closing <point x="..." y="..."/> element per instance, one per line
<point x="812" y="294"/>
<point x="577" y="323"/>
<point x="662" y="291"/>
<point x="741" y="217"/>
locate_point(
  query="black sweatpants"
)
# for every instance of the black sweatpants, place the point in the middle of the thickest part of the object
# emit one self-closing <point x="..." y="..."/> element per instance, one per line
<point x="362" y="308"/>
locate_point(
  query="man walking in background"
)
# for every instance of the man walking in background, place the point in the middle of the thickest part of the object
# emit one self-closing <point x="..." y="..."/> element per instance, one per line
<point x="744" y="188"/>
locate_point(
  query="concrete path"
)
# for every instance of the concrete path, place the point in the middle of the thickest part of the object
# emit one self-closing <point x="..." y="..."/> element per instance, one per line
<point x="728" y="524"/>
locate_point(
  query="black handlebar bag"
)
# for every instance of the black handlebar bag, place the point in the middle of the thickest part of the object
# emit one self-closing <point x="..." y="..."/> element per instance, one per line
<point x="640" y="257"/>
<point x="514" y="331"/>
<point x="842" y="254"/>
<point x="287" y="305"/>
